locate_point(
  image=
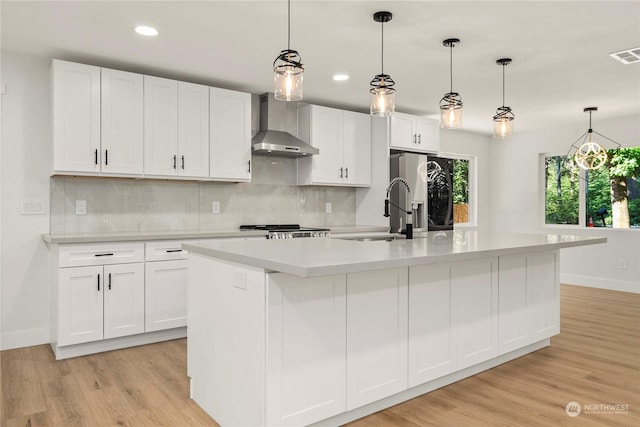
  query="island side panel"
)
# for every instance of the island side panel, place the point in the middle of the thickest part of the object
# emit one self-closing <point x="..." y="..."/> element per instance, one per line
<point x="226" y="340"/>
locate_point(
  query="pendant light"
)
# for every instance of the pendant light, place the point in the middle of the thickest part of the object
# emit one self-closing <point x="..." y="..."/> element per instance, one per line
<point x="589" y="154"/>
<point x="382" y="92"/>
<point x="288" y="69"/>
<point x="503" y="120"/>
<point x="451" y="103"/>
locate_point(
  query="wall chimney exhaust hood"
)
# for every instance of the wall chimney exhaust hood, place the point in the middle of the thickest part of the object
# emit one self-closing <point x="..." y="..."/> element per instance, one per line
<point x="276" y="117"/>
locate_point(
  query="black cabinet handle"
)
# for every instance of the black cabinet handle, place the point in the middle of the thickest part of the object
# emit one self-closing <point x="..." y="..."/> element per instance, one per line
<point x="109" y="281"/>
<point x="96" y="154"/>
<point x="249" y="163"/>
<point x="420" y="138"/>
<point x="174" y="161"/>
<point x="106" y="157"/>
<point x="341" y="173"/>
<point x="173" y="250"/>
<point x="346" y="174"/>
<point x="103" y="254"/>
<point x="98" y="281"/>
<point x="183" y="162"/>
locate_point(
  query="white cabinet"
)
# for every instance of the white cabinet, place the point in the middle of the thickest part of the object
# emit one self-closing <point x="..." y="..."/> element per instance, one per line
<point x="121" y="122"/>
<point x="97" y="302"/>
<point x="413" y="133"/>
<point x="230" y="135"/>
<point x="76" y="117"/>
<point x="165" y="285"/>
<point x="99" y="292"/>
<point x="344" y="141"/>
<point x="97" y="120"/>
<point x="433" y="318"/>
<point x="160" y="126"/>
<point x="193" y="130"/>
<point x="529" y="295"/>
<point x="306" y="332"/>
<point x="477" y="291"/>
<point x="376" y="335"/>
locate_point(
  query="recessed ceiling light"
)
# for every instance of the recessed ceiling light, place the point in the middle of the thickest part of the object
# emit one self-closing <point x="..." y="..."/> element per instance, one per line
<point x="340" y="77"/>
<point x="146" y="31"/>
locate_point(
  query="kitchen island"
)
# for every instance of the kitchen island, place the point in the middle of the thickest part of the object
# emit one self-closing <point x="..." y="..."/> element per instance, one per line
<point x="306" y="331"/>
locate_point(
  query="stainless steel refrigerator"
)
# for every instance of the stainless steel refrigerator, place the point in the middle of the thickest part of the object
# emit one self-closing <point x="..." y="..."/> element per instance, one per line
<point x="430" y="179"/>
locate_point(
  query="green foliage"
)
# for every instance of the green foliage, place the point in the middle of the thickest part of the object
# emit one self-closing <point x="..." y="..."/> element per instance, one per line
<point x="599" y="195"/>
<point x="624" y="162"/>
<point x="460" y="181"/>
<point x="562" y="200"/>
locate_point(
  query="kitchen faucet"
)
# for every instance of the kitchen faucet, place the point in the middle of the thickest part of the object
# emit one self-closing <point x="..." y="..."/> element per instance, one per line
<point x="387" y="202"/>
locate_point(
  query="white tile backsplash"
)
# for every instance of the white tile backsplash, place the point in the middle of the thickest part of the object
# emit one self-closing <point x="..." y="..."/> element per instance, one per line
<point x="122" y="204"/>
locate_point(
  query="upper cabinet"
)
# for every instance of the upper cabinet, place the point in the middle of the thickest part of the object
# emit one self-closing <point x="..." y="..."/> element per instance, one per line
<point x="176" y="128"/>
<point x="230" y="135"/>
<point x="413" y="133"/>
<point x="97" y="120"/>
<point x="344" y="141"/>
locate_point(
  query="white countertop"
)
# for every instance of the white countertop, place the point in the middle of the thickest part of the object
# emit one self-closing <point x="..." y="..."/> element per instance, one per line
<point x="324" y="256"/>
<point x="147" y="235"/>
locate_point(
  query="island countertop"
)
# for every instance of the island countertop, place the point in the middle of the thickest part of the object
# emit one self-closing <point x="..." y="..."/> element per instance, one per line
<point x="313" y="257"/>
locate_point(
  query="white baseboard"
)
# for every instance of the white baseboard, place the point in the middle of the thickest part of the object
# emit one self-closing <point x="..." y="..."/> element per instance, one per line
<point x="26" y="338"/>
<point x="601" y="283"/>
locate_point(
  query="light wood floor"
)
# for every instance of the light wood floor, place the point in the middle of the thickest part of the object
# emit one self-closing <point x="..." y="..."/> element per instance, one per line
<point x="595" y="360"/>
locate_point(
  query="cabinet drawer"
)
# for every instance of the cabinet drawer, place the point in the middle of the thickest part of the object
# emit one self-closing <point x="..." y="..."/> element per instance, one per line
<point x="165" y="250"/>
<point x="100" y="254"/>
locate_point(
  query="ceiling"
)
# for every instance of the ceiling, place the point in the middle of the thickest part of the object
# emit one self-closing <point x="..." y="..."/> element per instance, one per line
<point x="560" y="50"/>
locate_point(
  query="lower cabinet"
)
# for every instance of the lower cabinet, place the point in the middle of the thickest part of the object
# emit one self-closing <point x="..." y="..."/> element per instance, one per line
<point x="376" y="335"/>
<point x="306" y="330"/>
<point x="100" y="302"/>
<point x="529" y="295"/>
<point x="165" y="295"/>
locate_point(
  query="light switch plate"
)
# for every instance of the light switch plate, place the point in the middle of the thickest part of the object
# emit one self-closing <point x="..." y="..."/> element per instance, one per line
<point x="32" y="207"/>
<point x="81" y="207"/>
<point x="328" y="208"/>
<point x="215" y="207"/>
<point x="240" y="280"/>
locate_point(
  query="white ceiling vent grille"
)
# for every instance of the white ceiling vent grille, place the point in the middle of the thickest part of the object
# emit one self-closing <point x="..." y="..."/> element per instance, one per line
<point x="628" y="56"/>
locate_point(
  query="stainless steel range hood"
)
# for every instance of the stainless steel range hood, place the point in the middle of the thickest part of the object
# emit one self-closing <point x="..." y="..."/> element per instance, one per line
<point x="276" y="117"/>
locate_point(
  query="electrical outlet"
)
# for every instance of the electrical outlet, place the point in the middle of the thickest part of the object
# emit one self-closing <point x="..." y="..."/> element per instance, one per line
<point x="81" y="207"/>
<point x="240" y="281"/>
<point x="622" y="264"/>
<point x="328" y="207"/>
<point x="215" y="207"/>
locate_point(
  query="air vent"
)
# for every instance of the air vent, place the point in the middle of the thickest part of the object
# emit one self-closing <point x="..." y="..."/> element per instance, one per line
<point x="628" y="56"/>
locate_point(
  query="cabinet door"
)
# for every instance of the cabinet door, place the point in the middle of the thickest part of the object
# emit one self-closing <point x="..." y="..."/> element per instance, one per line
<point x="123" y="300"/>
<point x="80" y="304"/>
<point x="326" y="135"/>
<point x="160" y="126"/>
<point x="376" y="335"/>
<point x="402" y="134"/>
<point x="543" y="295"/>
<point x="165" y="295"/>
<point x="193" y="130"/>
<point x="433" y="336"/>
<point x="477" y="291"/>
<point x="513" y="328"/>
<point x="122" y="122"/>
<point x="230" y="135"/>
<point x="356" y="148"/>
<point x="306" y="355"/>
<point x="428" y="132"/>
<point x="76" y="117"/>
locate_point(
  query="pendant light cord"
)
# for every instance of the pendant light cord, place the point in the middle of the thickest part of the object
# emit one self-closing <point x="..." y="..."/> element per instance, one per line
<point x="288" y="24"/>
<point x="382" y="44"/>
<point x="451" y="65"/>
<point x="503" y="65"/>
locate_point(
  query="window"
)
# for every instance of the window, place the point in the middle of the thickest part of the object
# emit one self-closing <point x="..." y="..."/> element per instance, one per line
<point x="605" y="197"/>
<point x="464" y="209"/>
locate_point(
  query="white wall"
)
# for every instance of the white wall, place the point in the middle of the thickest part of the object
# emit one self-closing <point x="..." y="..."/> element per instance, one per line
<point x="518" y="205"/>
<point x="26" y="156"/>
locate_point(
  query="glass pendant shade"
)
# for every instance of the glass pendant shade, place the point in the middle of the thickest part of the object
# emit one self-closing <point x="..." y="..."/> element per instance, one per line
<point x="383" y="96"/>
<point x="503" y="120"/>
<point x="451" y="111"/>
<point x="382" y="92"/>
<point x="451" y="102"/>
<point x="288" y="69"/>
<point x="288" y="76"/>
